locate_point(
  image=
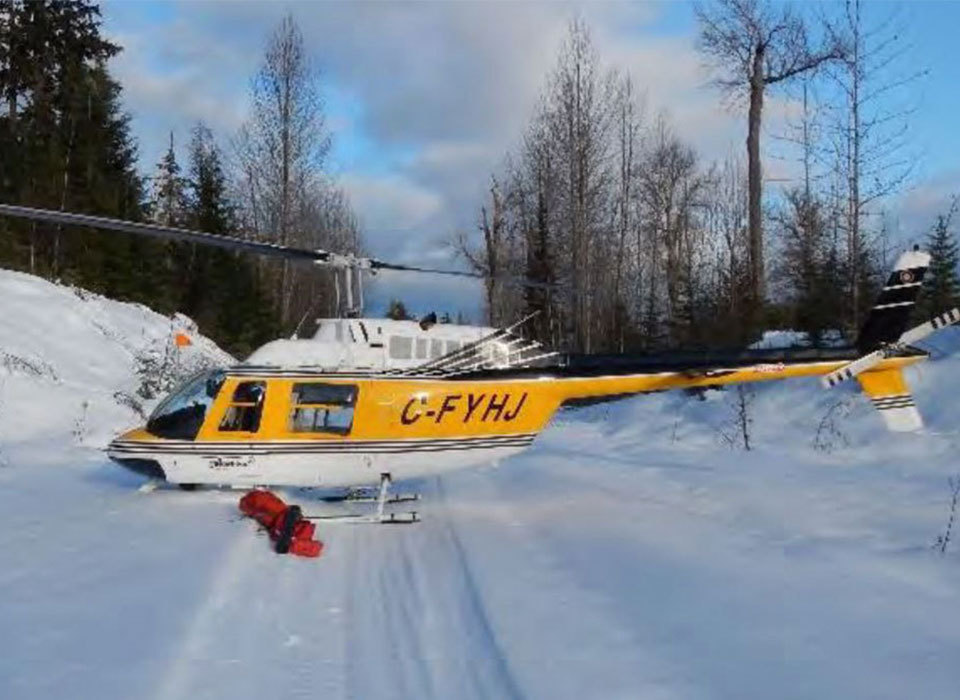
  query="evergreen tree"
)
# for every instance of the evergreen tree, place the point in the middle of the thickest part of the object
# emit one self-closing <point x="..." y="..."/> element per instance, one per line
<point x="397" y="310"/>
<point x="168" y="205"/>
<point x="66" y="143"/>
<point x="221" y="290"/>
<point x="209" y="208"/>
<point x="58" y="99"/>
<point x="941" y="287"/>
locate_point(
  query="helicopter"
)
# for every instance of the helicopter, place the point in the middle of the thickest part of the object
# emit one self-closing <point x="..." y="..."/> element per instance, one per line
<point x="368" y="401"/>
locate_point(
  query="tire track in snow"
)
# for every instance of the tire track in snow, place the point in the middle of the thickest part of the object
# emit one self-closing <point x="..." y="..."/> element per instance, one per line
<point x="563" y="638"/>
<point x="417" y="622"/>
<point x="265" y="612"/>
<point x="188" y="659"/>
<point x="501" y="673"/>
<point x="384" y="655"/>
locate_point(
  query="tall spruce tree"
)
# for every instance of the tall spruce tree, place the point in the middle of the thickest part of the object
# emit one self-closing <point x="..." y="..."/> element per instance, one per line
<point x="168" y="203"/>
<point x="66" y="143"/>
<point x="221" y="290"/>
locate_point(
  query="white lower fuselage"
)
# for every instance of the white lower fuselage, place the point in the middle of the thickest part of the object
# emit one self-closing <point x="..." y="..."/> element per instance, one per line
<point x="308" y="464"/>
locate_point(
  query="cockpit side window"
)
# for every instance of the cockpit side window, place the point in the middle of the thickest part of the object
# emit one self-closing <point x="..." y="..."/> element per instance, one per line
<point x="322" y="408"/>
<point x="245" y="409"/>
<point x="182" y="413"/>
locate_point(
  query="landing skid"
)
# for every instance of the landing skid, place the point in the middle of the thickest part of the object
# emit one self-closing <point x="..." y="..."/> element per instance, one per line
<point x="382" y="499"/>
<point x="359" y="518"/>
<point x="372" y="498"/>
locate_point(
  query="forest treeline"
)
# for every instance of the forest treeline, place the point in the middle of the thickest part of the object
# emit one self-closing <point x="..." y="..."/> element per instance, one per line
<point x="627" y="238"/>
<point x="635" y="243"/>
<point x="66" y="144"/>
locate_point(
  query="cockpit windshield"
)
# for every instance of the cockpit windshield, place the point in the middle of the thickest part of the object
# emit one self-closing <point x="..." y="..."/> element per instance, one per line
<point x="181" y="414"/>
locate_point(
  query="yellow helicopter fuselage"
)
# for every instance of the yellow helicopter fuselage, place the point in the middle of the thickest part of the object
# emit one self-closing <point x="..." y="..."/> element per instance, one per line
<point x="305" y="428"/>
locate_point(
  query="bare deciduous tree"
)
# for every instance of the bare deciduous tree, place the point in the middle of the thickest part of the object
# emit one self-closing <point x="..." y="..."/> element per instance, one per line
<point x="281" y="151"/>
<point x="754" y="44"/>
<point x="868" y="140"/>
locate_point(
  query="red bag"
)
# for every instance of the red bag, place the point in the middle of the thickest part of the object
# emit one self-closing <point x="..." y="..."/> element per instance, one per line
<point x="306" y="548"/>
<point x="271" y="512"/>
<point x="262" y="506"/>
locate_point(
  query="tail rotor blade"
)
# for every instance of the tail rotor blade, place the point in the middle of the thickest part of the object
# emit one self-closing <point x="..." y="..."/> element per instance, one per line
<point x="874" y="358"/>
<point x="851" y="370"/>
<point x="924" y="329"/>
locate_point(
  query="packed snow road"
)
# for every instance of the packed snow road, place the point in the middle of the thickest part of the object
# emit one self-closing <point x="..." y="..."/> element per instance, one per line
<point x="592" y="566"/>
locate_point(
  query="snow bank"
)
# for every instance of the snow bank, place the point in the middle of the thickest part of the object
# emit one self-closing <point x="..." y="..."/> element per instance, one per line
<point x="75" y="365"/>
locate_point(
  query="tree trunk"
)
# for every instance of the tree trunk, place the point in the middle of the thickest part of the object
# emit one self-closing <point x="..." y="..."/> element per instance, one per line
<point x="755" y="184"/>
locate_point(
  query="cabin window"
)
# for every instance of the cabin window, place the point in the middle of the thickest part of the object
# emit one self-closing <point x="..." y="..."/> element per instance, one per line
<point x="421" y="348"/>
<point x="453" y="345"/>
<point x="322" y="408"/>
<point x="181" y="414"/>
<point x="436" y="348"/>
<point x="401" y="347"/>
<point x="246" y="408"/>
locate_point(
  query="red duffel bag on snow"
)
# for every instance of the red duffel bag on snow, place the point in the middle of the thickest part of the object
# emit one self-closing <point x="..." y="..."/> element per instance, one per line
<point x="262" y="506"/>
<point x="286" y="525"/>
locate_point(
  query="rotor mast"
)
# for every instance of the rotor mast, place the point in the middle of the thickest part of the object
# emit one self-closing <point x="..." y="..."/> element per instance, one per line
<point x="349" y="270"/>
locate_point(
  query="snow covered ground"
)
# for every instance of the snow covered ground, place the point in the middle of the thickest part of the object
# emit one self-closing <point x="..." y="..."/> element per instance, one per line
<point x="631" y="553"/>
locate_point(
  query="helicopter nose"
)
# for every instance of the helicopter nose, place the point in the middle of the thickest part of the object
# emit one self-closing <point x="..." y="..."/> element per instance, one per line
<point x="149" y="468"/>
<point x="123" y="452"/>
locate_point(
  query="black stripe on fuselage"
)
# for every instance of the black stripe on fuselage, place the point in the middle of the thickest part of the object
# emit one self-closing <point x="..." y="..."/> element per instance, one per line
<point x="252" y="450"/>
<point x="313" y="447"/>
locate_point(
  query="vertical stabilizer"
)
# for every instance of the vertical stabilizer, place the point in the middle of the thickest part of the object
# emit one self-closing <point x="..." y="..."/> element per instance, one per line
<point x="890" y="394"/>
<point x="889" y="316"/>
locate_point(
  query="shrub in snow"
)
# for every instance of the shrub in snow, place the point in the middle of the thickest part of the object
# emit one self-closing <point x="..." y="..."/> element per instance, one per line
<point x="31" y="367"/>
<point x="829" y="435"/>
<point x="162" y="365"/>
<point x="943" y="540"/>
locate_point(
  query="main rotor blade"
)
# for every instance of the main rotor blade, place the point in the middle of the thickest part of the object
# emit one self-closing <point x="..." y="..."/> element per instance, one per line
<point x="509" y="280"/>
<point x="164" y="232"/>
<point x="233" y="243"/>
<point x="381" y="265"/>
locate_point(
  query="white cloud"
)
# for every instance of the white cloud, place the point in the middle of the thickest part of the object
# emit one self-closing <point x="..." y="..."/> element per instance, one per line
<point x="431" y="96"/>
<point x="391" y="204"/>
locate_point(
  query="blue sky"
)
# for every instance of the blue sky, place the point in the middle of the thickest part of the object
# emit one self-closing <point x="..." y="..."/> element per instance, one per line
<point x="425" y="99"/>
